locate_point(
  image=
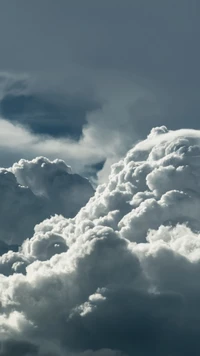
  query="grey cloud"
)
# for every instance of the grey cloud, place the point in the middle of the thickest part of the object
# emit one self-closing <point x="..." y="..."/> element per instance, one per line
<point x="141" y="59"/>
<point x="154" y="44"/>
<point x="18" y="348"/>
<point x="146" y="37"/>
<point x="44" y="117"/>
<point x="54" y="115"/>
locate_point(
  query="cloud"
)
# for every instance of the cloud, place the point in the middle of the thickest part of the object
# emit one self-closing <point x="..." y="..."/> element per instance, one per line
<point x="17" y="142"/>
<point x="44" y="114"/>
<point x="144" y="71"/>
<point x="121" y="277"/>
<point x="113" y="114"/>
<point x="34" y="190"/>
<point x="18" y="348"/>
<point x="45" y="117"/>
<point x="45" y="122"/>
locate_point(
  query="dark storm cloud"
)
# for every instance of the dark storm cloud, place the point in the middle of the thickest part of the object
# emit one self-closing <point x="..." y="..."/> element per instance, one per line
<point x="18" y="348"/>
<point x="44" y="115"/>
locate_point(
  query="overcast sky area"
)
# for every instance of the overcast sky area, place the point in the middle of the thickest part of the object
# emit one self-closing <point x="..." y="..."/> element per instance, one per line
<point x="99" y="178"/>
<point x="84" y="80"/>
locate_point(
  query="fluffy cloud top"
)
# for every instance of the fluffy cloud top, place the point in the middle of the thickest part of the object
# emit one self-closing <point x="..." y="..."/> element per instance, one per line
<point x="34" y="190"/>
<point x="122" y="276"/>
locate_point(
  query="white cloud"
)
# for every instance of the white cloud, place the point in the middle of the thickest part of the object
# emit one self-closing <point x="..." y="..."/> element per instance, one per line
<point x="34" y="190"/>
<point x="127" y="279"/>
<point x="17" y="140"/>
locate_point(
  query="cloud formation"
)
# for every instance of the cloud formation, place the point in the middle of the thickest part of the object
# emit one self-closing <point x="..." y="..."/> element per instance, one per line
<point x="55" y="117"/>
<point x="34" y="190"/>
<point x="141" y="59"/>
<point x="121" y="277"/>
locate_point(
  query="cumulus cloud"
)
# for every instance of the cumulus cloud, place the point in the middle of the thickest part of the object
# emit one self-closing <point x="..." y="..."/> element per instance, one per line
<point x="34" y="190"/>
<point x="121" y="277"/>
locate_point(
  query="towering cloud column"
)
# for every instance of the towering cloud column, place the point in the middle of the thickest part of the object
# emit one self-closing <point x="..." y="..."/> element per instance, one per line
<point x="122" y="276"/>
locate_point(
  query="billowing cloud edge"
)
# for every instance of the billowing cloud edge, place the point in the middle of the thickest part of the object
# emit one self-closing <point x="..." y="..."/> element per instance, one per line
<point x="128" y="280"/>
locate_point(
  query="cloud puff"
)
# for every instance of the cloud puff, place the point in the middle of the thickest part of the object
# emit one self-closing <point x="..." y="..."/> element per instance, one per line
<point x="121" y="277"/>
<point x="34" y="190"/>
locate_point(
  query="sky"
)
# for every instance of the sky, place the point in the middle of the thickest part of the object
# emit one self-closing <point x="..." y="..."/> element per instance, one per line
<point x="85" y="80"/>
<point x="99" y="178"/>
